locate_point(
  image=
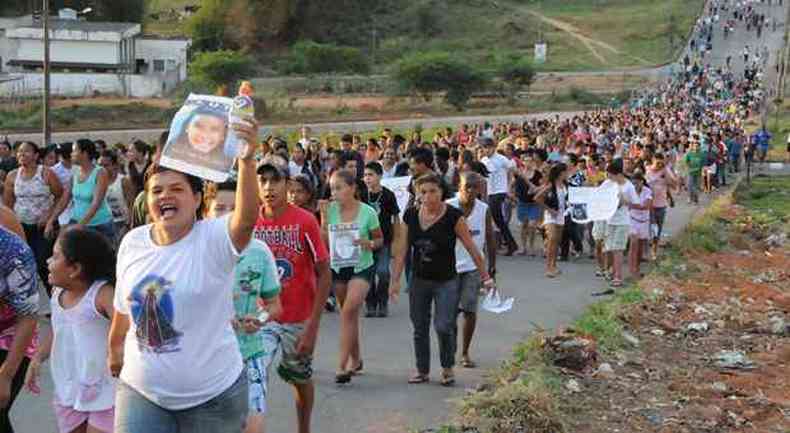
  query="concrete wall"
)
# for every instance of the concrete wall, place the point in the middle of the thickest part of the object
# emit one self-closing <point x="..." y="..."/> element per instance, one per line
<point x="70" y="51"/>
<point x="164" y="49"/>
<point x="86" y="85"/>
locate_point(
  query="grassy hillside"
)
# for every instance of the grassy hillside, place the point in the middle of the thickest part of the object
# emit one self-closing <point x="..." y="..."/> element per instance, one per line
<point x="581" y="34"/>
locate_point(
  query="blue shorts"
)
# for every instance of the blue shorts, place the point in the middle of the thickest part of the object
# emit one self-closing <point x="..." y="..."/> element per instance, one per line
<point x="528" y="211"/>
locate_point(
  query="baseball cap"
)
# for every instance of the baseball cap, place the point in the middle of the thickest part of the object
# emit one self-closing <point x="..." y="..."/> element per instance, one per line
<point x="276" y="170"/>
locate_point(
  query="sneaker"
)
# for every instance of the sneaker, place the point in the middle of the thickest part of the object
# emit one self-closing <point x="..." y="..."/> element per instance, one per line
<point x="371" y="312"/>
<point x="383" y="312"/>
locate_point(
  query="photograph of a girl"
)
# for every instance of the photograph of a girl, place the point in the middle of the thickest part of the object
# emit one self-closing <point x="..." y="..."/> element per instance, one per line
<point x="199" y="142"/>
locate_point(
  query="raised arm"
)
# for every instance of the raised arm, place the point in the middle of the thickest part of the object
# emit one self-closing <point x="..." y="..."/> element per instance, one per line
<point x="242" y="221"/>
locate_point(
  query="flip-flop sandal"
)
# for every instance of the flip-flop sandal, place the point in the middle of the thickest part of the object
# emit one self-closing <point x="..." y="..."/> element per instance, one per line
<point x="419" y="378"/>
<point x="616" y="283"/>
<point x="468" y="363"/>
<point x="448" y="379"/>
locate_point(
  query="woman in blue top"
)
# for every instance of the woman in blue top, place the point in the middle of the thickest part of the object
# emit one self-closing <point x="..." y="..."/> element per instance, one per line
<point x="88" y="191"/>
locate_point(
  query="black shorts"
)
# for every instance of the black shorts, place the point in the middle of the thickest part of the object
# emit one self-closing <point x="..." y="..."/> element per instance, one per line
<point x="344" y="275"/>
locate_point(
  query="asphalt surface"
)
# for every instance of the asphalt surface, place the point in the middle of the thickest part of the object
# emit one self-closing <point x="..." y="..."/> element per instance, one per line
<point x="381" y="400"/>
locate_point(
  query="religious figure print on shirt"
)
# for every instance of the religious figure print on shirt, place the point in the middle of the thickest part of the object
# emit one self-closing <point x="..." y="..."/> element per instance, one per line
<point x="152" y="310"/>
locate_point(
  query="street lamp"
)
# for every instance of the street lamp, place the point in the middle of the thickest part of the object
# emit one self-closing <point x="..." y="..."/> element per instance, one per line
<point x="45" y="20"/>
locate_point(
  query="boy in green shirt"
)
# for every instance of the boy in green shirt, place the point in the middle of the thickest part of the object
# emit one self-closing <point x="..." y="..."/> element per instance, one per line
<point x="256" y="300"/>
<point x="695" y="159"/>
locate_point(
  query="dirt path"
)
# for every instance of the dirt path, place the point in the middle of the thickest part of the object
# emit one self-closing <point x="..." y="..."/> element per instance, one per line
<point x="588" y="42"/>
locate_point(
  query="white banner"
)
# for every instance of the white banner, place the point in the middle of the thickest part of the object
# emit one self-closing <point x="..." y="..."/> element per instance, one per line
<point x="400" y="187"/>
<point x="587" y="204"/>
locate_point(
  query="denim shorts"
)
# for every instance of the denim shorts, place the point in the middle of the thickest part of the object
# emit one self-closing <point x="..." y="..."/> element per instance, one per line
<point x="527" y="212"/>
<point x="107" y="229"/>
<point x="225" y="413"/>
<point x="469" y="284"/>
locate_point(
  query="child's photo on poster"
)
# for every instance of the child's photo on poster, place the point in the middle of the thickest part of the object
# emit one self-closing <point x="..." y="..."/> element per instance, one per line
<point x="200" y="141"/>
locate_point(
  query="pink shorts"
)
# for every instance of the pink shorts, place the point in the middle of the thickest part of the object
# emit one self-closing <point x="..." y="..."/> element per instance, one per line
<point x="69" y="419"/>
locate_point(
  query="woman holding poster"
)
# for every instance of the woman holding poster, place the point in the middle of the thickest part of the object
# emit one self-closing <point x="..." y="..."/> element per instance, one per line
<point x="353" y="231"/>
<point x="173" y="307"/>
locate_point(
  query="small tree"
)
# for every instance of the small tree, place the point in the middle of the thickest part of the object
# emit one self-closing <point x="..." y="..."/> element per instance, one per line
<point x="427" y="73"/>
<point x="517" y="72"/>
<point x="219" y="69"/>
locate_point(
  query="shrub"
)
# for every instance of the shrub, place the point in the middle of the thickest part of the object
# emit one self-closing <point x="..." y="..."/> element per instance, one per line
<point x="308" y="57"/>
<point x="434" y="72"/>
<point x="215" y="69"/>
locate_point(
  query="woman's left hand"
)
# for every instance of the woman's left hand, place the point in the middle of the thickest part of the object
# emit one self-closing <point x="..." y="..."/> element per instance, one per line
<point x="247" y="131"/>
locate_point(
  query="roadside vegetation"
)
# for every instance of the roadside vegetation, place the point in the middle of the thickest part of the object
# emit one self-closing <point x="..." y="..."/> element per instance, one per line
<point x="700" y="344"/>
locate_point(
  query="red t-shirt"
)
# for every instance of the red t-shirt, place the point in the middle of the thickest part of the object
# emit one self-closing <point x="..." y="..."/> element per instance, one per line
<point x="295" y="241"/>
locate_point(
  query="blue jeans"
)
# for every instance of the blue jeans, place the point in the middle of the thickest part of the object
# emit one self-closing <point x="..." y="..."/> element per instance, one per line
<point x="443" y="296"/>
<point x="378" y="296"/>
<point x="224" y="413"/>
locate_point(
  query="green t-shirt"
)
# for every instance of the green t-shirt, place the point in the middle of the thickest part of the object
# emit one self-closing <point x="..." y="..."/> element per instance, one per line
<point x="694" y="161"/>
<point x="342" y="252"/>
<point x="255" y="276"/>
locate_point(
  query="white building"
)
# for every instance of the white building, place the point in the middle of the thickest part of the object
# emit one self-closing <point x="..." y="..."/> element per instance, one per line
<point x="89" y="58"/>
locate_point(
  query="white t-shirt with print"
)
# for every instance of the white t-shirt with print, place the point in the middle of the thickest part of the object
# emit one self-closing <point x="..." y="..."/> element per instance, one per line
<point x="499" y="168"/>
<point x="180" y="350"/>
<point x="622" y="215"/>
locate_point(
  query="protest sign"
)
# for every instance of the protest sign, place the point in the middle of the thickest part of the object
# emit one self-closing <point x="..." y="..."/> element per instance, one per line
<point x="201" y="142"/>
<point x="400" y="187"/>
<point x="344" y="252"/>
<point x="587" y="204"/>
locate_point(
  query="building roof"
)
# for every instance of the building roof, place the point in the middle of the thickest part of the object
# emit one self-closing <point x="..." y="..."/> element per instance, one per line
<point x="26" y="27"/>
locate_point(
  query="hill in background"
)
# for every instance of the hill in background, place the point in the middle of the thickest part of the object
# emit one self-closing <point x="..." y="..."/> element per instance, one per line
<point x="581" y="34"/>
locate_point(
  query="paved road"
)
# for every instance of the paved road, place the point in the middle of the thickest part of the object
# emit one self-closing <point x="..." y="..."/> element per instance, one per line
<point x="381" y="401"/>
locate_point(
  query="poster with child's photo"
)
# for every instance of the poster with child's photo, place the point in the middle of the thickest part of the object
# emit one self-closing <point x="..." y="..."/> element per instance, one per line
<point x="201" y="142"/>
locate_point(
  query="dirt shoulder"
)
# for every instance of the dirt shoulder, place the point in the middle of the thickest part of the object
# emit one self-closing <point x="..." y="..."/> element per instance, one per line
<point x="700" y="345"/>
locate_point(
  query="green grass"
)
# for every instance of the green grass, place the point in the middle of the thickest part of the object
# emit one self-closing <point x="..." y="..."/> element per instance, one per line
<point x="86" y="116"/>
<point x="638" y="28"/>
<point x="767" y="197"/>
<point x="601" y="319"/>
<point x="779" y="126"/>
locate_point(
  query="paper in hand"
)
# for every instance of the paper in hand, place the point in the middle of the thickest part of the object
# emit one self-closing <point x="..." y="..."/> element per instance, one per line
<point x="494" y="303"/>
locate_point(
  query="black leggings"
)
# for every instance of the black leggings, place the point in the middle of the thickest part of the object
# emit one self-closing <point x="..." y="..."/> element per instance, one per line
<point x="16" y="386"/>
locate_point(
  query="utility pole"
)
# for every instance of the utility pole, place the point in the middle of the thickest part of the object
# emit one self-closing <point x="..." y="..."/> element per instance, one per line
<point x="45" y="21"/>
